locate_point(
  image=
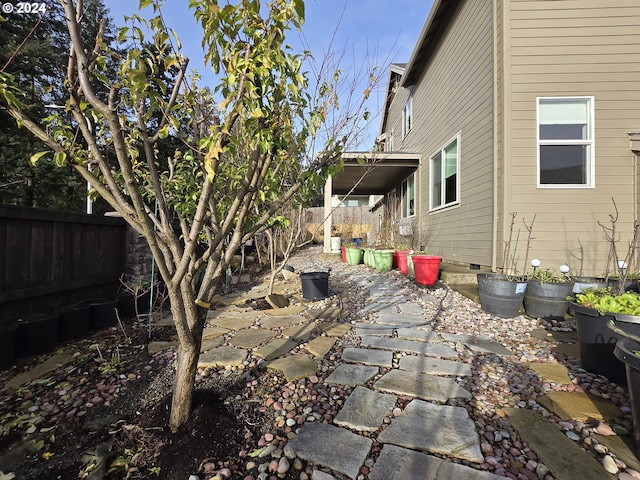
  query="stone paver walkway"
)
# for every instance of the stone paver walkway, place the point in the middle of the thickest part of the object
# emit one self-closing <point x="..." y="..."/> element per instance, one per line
<point x="400" y="362"/>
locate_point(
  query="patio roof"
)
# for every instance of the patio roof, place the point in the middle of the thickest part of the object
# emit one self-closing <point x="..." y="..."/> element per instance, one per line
<point x="383" y="171"/>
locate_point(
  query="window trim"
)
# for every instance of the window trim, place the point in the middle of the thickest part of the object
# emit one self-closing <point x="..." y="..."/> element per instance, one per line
<point x="440" y="151"/>
<point x="403" y="199"/>
<point x="591" y="159"/>
<point x="407" y="115"/>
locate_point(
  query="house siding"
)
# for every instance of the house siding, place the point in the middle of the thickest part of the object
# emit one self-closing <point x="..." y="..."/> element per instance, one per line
<point x="574" y="48"/>
<point x="454" y="96"/>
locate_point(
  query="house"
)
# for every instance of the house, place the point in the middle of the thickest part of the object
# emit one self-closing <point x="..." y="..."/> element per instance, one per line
<point x="525" y="106"/>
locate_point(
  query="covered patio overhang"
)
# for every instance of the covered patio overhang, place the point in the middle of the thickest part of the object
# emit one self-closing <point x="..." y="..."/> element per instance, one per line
<point x="366" y="173"/>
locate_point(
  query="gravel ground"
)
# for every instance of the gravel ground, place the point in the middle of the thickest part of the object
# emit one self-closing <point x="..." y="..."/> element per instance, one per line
<point x="273" y="408"/>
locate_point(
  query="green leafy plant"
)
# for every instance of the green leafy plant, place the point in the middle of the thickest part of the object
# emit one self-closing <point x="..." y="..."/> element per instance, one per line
<point x="607" y="300"/>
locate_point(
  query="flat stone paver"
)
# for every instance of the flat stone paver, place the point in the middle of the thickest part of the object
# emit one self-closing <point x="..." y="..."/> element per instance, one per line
<point x="624" y="448"/>
<point x="295" y="366"/>
<point x="350" y="374"/>
<point x="366" y="356"/>
<point x="387" y="308"/>
<point x="364" y="410"/>
<point x="434" y="366"/>
<point x="564" y="458"/>
<point x="155" y="347"/>
<point x="421" y="385"/>
<point x="275" y="349"/>
<point x="231" y="311"/>
<point x="282" y="321"/>
<point x="397" y="463"/>
<point x="320" y="475"/>
<point x="412" y="346"/>
<point x="435" y="428"/>
<point x="40" y="370"/>
<point x="335" y="329"/>
<point x="213" y="332"/>
<point x="571" y="349"/>
<point x="251" y="337"/>
<point x="372" y="329"/>
<point x="329" y="313"/>
<point x="578" y="406"/>
<point x="278" y="312"/>
<point x="404" y="320"/>
<point x="209" y="343"/>
<point x="333" y="447"/>
<point x="411" y="308"/>
<point x="477" y="343"/>
<point x="222" y="356"/>
<point x="320" y="346"/>
<point x="553" y="372"/>
<point x="300" y="333"/>
<point x="423" y="335"/>
<point x="277" y="300"/>
<point x="232" y="323"/>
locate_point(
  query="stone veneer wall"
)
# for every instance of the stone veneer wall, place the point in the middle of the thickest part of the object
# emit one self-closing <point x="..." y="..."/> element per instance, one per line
<point x="139" y="258"/>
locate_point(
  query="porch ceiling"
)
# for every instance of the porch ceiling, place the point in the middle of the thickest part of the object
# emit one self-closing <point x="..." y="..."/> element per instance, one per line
<point x="382" y="172"/>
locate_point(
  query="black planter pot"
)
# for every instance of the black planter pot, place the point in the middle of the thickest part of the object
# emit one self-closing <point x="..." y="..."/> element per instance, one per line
<point x="625" y="350"/>
<point x="597" y="341"/>
<point x="37" y="333"/>
<point x="73" y="322"/>
<point x="102" y="312"/>
<point x="126" y="304"/>
<point x="315" y="285"/>
<point x="500" y="296"/>
<point x="547" y="300"/>
<point x="7" y="345"/>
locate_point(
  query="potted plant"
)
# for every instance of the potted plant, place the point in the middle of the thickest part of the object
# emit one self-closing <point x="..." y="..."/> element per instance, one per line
<point x="353" y="253"/>
<point x="627" y="350"/>
<point x="400" y="258"/>
<point x="426" y="268"/>
<point x="547" y="291"/>
<point x="501" y="293"/>
<point x="595" y="308"/>
<point x="383" y="259"/>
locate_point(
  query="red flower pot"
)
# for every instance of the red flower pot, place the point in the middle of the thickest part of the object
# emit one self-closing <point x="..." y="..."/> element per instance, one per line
<point x="426" y="268"/>
<point x="344" y="254"/>
<point x="401" y="256"/>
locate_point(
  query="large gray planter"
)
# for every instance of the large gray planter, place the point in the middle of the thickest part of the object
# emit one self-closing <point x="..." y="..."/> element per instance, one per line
<point x="500" y="295"/>
<point x="547" y="300"/>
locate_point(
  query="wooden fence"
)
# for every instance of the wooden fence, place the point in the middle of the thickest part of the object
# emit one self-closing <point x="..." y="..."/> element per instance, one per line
<point x="348" y="222"/>
<point x="49" y="259"/>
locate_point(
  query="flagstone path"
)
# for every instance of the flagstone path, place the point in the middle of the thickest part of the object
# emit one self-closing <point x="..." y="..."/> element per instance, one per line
<point x="400" y="362"/>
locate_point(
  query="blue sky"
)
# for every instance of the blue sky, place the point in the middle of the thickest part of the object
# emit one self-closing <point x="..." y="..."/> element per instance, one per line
<point x="386" y="30"/>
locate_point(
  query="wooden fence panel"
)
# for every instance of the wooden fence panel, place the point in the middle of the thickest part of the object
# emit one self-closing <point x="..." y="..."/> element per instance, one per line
<point x="49" y="259"/>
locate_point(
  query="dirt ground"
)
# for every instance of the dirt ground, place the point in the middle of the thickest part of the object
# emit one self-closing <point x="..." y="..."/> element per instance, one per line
<point x="66" y="425"/>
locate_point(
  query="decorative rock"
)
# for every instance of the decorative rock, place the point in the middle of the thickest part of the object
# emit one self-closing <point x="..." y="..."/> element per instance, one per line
<point x="609" y="464"/>
<point x="283" y="465"/>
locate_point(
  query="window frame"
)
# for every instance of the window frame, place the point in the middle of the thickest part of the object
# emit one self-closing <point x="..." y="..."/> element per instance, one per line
<point x="590" y="143"/>
<point x="441" y="151"/>
<point x="404" y="198"/>
<point x="407" y="115"/>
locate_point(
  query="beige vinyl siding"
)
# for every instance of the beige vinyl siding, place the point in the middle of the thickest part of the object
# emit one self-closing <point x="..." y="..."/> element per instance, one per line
<point x="454" y="96"/>
<point x="575" y="48"/>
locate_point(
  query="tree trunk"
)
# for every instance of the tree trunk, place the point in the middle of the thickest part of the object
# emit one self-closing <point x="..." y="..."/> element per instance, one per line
<point x="189" y="324"/>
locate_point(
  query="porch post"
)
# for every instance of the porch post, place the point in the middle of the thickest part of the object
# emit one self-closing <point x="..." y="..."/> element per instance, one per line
<point x="328" y="187"/>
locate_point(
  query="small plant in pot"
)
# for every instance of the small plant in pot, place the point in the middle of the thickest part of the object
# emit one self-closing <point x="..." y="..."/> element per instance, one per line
<point x="353" y="253"/>
<point x="595" y="308"/>
<point x="547" y="291"/>
<point x="501" y="293"/>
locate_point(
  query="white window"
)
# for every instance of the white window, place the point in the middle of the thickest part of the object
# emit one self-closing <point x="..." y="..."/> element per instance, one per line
<point x="407" y="115"/>
<point x="408" y="197"/>
<point x="566" y="142"/>
<point x="390" y="142"/>
<point x="443" y="175"/>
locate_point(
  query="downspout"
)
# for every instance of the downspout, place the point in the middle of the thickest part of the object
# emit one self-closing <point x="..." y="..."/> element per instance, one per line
<point x="496" y="138"/>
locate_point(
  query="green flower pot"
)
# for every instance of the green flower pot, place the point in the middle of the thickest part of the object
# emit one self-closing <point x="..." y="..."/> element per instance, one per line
<point x="383" y="260"/>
